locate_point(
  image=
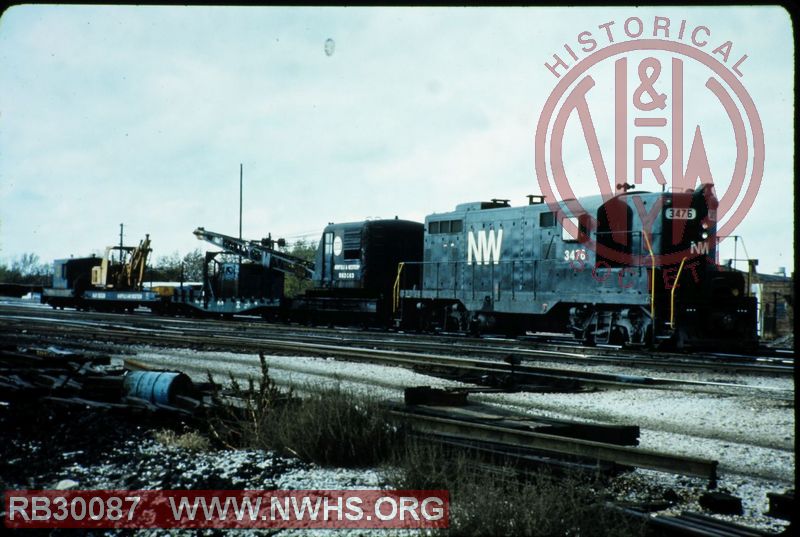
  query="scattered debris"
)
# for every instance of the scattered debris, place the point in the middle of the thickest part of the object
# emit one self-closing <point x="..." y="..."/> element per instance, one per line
<point x="781" y="505"/>
<point x="426" y="395"/>
<point x="55" y="376"/>
<point x="722" y="503"/>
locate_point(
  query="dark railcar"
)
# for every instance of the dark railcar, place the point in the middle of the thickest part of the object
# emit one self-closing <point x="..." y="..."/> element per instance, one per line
<point x="71" y="278"/>
<point x="229" y="288"/>
<point x="356" y="268"/>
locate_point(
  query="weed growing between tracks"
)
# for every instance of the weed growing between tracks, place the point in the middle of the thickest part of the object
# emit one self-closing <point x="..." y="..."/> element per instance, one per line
<point x="491" y="500"/>
<point x="334" y="427"/>
<point x="331" y="426"/>
<point x="189" y="440"/>
<point x="242" y="416"/>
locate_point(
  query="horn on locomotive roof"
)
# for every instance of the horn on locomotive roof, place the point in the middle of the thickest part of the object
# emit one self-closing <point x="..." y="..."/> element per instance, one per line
<point x="535" y="199"/>
<point x="625" y="186"/>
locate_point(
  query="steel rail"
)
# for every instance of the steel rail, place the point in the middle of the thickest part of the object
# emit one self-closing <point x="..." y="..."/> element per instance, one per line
<point x="462" y="428"/>
<point x="626" y="456"/>
<point x="520" y="373"/>
<point x="566" y="351"/>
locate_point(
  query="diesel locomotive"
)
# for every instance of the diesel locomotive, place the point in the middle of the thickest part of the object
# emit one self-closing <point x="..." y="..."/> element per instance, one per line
<point x="633" y="269"/>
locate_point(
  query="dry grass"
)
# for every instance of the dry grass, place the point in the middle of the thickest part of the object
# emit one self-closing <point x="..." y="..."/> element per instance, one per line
<point x="336" y="427"/>
<point x="329" y="427"/>
<point x="191" y="440"/>
<point x="487" y="500"/>
<point x="245" y="418"/>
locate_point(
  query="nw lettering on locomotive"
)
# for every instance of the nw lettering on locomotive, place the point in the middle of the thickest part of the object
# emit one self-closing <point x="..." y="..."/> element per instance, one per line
<point x="699" y="248"/>
<point x="486" y="248"/>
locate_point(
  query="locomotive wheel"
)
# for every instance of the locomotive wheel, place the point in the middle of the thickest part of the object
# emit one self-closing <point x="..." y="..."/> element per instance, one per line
<point x="618" y="336"/>
<point x="588" y="338"/>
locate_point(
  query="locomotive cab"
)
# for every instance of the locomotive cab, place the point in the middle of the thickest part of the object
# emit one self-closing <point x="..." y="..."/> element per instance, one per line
<point x="692" y="301"/>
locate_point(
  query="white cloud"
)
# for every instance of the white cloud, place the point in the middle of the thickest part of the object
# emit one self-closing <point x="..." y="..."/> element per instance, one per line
<point x="142" y="115"/>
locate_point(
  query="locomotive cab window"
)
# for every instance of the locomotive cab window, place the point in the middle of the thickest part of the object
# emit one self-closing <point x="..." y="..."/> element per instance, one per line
<point x="581" y="223"/>
<point x="547" y="219"/>
<point x="352" y="244"/>
<point x="433" y="227"/>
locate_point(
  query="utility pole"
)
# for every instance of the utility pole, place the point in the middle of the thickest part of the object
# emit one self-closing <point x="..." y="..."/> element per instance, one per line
<point x="239" y="266"/>
<point x="121" y="227"/>
<point x="240" y="202"/>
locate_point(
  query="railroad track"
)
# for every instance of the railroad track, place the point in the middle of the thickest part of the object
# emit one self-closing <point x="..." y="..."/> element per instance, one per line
<point x="494" y="371"/>
<point x="691" y="524"/>
<point x="565" y="351"/>
<point x="454" y="426"/>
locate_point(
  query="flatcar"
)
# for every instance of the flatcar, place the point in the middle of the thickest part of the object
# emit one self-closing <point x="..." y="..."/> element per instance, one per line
<point x="113" y="282"/>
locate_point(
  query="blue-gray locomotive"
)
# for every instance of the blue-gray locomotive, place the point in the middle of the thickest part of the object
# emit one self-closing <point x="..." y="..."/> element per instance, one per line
<point x="633" y="269"/>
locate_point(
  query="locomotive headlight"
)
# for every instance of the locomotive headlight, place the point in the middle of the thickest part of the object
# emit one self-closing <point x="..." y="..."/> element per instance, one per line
<point x="704" y="223"/>
<point x="704" y="235"/>
<point x="735" y="292"/>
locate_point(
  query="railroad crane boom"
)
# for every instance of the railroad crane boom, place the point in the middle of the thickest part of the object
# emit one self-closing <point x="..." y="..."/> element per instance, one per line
<point x="262" y="251"/>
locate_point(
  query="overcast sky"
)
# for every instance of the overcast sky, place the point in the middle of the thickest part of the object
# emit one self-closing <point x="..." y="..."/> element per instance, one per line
<point x="142" y="115"/>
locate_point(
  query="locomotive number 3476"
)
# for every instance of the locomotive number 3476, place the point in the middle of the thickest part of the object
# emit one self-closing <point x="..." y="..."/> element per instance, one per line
<point x="575" y="255"/>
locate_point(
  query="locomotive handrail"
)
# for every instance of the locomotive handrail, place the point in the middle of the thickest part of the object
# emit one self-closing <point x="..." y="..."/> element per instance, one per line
<point x="672" y="295"/>
<point x="465" y="281"/>
<point x="396" y="288"/>
<point x="652" y="283"/>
